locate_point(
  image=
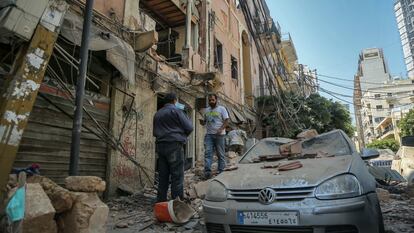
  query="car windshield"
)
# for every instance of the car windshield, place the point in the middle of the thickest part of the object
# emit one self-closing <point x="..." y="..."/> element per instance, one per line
<point x="329" y="144"/>
<point x="332" y="144"/>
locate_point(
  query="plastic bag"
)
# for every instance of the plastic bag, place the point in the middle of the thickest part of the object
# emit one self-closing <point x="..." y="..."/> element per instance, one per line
<point x="16" y="206"/>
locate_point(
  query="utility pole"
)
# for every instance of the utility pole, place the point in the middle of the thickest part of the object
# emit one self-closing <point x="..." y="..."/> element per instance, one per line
<point x="22" y="86"/>
<point x="357" y="109"/>
<point x="80" y="91"/>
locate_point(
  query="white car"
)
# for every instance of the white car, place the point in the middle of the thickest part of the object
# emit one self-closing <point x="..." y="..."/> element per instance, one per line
<point x="404" y="163"/>
<point x="384" y="160"/>
<point x="331" y="193"/>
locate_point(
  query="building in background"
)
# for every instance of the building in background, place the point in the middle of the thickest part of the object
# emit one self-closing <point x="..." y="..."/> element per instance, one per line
<point x="404" y="13"/>
<point x="381" y="104"/>
<point x="372" y="72"/>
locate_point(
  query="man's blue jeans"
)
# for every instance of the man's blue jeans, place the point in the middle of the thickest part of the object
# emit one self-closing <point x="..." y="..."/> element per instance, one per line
<point x="213" y="142"/>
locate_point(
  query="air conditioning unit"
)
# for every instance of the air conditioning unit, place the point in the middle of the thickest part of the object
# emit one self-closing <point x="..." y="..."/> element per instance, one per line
<point x="20" y="18"/>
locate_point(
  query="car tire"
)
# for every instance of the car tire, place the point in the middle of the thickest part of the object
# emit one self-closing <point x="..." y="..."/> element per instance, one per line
<point x="381" y="228"/>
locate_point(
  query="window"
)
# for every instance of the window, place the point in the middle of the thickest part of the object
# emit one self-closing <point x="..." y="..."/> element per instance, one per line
<point x="378" y="107"/>
<point x="377" y="96"/>
<point x="218" y="56"/>
<point x="391" y="106"/>
<point x="373" y="54"/>
<point x="368" y="105"/>
<point x="389" y="94"/>
<point x="234" y="68"/>
<point x="379" y="119"/>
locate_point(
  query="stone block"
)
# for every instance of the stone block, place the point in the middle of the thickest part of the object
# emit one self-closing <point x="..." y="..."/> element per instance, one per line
<point x="39" y="212"/>
<point x="85" y="184"/>
<point x="61" y="198"/>
<point x="383" y="195"/>
<point x="88" y="215"/>
<point x="201" y="189"/>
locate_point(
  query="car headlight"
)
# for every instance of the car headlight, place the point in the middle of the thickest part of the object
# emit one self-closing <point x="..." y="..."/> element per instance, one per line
<point x="343" y="186"/>
<point x="216" y="192"/>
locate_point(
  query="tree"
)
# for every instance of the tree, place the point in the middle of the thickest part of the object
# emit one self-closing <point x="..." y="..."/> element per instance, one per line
<point x="406" y="124"/>
<point x="391" y="144"/>
<point x="315" y="112"/>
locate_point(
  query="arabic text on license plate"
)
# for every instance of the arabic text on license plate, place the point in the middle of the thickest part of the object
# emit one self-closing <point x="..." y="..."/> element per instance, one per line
<point x="268" y="218"/>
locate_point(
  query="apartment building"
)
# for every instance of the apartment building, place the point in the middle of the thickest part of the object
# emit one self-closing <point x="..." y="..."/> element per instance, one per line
<point x="372" y="72"/>
<point x="404" y="14"/>
<point x="379" y="105"/>
<point x="139" y="50"/>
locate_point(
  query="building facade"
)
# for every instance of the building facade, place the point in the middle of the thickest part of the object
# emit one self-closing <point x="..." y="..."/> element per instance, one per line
<point x="380" y="104"/>
<point x="372" y="73"/>
<point x="139" y="50"/>
<point x="404" y="13"/>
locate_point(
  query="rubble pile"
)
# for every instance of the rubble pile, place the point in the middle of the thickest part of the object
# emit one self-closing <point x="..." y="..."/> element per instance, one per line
<point x="397" y="205"/>
<point x="50" y="208"/>
<point x="134" y="213"/>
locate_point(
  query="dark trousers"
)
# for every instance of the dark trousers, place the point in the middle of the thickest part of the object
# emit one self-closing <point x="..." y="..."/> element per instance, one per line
<point x="170" y="164"/>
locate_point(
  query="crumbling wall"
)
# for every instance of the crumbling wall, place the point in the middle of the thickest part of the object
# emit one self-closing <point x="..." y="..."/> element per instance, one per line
<point x="226" y="31"/>
<point x="137" y="141"/>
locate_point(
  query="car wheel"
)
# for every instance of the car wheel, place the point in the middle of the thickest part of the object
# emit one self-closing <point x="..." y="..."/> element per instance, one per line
<point x="381" y="228"/>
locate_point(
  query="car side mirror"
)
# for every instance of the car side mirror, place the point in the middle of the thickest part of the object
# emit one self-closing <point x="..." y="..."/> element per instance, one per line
<point x="369" y="154"/>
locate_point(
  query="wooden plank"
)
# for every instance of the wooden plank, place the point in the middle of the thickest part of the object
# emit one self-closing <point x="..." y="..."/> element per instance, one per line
<point x="172" y="15"/>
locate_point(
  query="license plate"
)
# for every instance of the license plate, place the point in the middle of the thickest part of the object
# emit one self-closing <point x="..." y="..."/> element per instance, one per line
<point x="268" y="218"/>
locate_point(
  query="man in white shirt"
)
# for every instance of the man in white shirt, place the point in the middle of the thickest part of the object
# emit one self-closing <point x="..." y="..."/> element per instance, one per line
<point x="216" y="120"/>
<point x="237" y="138"/>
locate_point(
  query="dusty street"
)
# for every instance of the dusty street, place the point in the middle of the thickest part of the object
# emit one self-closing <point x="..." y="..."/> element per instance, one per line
<point x="135" y="213"/>
<point x="398" y="209"/>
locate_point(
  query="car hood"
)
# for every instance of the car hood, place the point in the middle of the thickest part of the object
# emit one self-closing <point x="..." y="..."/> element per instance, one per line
<point x="313" y="172"/>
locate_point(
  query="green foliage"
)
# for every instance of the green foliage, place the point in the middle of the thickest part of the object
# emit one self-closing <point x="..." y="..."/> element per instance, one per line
<point x="315" y="112"/>
<point x="384" y="144"/>
<point x="406" y="124"/>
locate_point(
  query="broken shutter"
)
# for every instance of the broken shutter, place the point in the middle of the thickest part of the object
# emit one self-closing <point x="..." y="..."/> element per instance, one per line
<point x="47" y="138"/>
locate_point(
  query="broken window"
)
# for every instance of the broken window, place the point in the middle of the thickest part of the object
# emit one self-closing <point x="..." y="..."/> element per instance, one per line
<point x="378" y="107"/>
<point x="218" y="56"/>
<point x="166" y="45"/>
<point x="389" y="94"/>
<point x="391" y="106"/>
<point x="377" y="96"/>
<point x="234" y="68"/>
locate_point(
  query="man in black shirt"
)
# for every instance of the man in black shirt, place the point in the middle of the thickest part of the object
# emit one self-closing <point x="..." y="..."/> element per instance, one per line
<point x="171" y="128"/>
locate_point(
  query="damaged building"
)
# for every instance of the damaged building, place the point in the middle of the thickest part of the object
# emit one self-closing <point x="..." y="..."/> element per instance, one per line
<point x="139" y="51"/>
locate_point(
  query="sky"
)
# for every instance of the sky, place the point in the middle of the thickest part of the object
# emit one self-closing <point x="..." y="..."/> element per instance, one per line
<point x="329" y="35"/>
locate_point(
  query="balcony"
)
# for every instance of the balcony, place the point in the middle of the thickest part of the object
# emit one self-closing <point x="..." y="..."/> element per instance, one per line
<point x="289" y="48"/>
<point x="390" y="98"/>
<point x="171" y="13"/>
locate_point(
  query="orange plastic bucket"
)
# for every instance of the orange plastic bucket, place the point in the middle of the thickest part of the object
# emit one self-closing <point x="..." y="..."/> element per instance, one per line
<point x="161" y="211"/>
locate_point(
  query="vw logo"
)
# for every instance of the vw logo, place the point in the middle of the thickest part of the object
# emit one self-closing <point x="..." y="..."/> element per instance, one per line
<point x="267" y="196"/>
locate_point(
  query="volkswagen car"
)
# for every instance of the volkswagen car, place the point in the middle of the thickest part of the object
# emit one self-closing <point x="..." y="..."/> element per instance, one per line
<point x="326" y="189"/>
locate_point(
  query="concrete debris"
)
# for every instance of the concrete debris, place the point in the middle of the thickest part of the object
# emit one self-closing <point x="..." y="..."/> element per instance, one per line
<point x="88" y="215"/>
<point x="122" y="225"/>
<point x="398" y="209"/>
<point x="61" y="198"/>
<point x="310" y="133"/>
<point x="85" y="184"/>
<point x="39" y="212"/>
<point x="383" y="195"/>
<point x="138" y="208"/>
<point x="201" y="189"/>
<point x="124" y="190"/>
